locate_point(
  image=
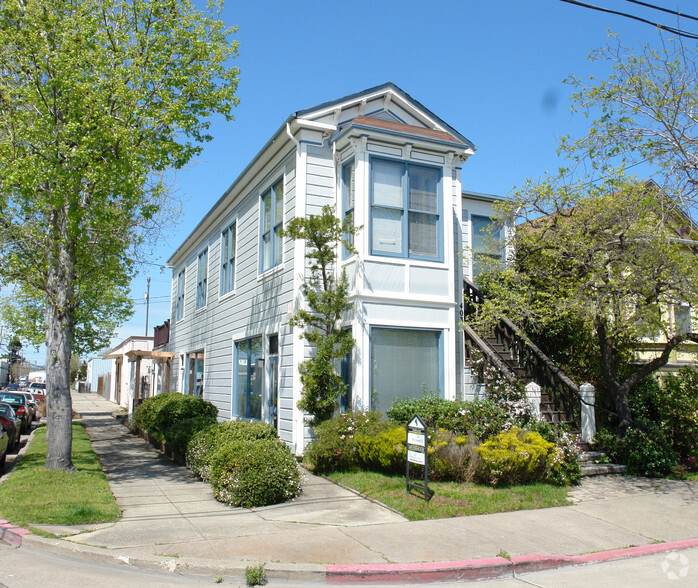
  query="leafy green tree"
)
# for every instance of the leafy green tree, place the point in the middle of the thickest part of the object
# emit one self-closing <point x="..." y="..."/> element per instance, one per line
<point x="14" y="357"/>
<point x="599" y="249"/>
<point x="612" y="259"/>
<point x="643" y="114"/>
<point x="98" y="99"/>
<point x="327" y="300"/>
<point x="103" y="306"/>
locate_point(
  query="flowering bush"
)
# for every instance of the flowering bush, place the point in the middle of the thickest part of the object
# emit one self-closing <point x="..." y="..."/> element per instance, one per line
<point x="564" y="469"/>
<point x="257" y="472"/>
<point x="515" y="457"/>
<point x="481" y="418"/>
<point x="334" y="447"/>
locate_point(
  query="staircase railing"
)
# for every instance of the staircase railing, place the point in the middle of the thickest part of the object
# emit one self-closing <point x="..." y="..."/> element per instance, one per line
<point x="521" y="352"/>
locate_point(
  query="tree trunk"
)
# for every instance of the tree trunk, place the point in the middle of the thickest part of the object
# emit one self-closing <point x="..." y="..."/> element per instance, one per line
<point x="59" y="340"/>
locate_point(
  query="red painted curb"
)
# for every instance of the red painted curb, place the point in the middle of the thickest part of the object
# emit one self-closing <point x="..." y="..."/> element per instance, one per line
<point x="12" y="534"/>
<point x="472" y="569"/>
<point x="486" y="568"/>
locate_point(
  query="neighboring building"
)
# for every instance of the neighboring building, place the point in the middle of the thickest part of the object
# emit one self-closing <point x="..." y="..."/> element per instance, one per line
<point x="394" y="168"/>
<point x="4" y="372"/>
<point x="37" y="376"/>
<point x="130" y="380"/>
<point x="98" y="378"/>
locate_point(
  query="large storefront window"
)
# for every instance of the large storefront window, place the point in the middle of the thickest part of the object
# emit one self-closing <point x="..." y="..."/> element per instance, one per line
<point x="249" y="375"/>
<point x="404" y="364"/>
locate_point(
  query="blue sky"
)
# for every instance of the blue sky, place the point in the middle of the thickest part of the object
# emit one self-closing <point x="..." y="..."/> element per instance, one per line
<point x="492" y="69"/>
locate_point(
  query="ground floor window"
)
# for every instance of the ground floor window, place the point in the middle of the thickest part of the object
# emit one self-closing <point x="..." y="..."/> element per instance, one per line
<point x="404" y="363"/>
<point x="249" y="375"/>
<point x="194" y="376"/>
<point x="347" y="372"/>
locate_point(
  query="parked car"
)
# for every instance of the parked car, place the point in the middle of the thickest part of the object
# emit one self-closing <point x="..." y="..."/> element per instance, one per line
<point x="31" y="404"/>
<point x="4" y="444"/>
<point x="12" y="425"/>
<point x="37" y="387"/>
<point x="39" y="405"/>
<point x="21" y="407"/>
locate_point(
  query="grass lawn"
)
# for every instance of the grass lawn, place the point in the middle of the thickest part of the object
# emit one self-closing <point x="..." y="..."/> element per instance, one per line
<point x="451" y="499"/>
<point x="33" y="495"/>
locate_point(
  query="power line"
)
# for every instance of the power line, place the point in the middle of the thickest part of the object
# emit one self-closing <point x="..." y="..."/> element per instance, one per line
<point x="667" y="28"/>
<point x="662" y="9"/>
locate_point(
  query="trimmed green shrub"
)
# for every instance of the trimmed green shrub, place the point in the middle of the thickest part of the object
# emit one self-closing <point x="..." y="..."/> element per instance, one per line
<point x="144" y="416"/>
<point x="181" y="408"/>
<point x="174" y="418"/>
<point x="383" y="451"/>
<point x="257" y="472"/>
<point x="334" y="447"/>
<point x="204" y="445"/>
<point x="179" y="434"/>
<point x="514" y="457"/>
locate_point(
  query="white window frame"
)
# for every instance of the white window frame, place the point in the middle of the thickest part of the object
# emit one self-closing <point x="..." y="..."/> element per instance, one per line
<point x="201" y="279"/>
<point x="179" y="303"/>
<point x="348" y="201"/>
<point x="228" y="265"/>
<point x="271" y="232"/>
<point x="405" y="210"/>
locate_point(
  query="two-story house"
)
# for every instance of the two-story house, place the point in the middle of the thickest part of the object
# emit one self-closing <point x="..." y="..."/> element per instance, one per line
<point x="394" y="168"/>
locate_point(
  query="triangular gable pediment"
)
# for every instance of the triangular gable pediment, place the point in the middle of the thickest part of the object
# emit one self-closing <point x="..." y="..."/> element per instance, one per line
<point x="383" y="107"/>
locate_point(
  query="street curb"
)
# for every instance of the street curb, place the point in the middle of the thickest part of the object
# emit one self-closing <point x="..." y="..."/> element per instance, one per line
<point x="487" y="568"/>
<point x="12" y="534"/>
<point x="310" y="573"/>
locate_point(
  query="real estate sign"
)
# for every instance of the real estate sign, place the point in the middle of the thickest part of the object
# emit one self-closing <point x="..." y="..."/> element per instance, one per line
<point x="417" y="436"/>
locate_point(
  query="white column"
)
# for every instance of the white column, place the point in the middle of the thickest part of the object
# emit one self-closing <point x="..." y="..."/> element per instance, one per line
<point x="533" y="395"/>
<point x="588" y="415"/>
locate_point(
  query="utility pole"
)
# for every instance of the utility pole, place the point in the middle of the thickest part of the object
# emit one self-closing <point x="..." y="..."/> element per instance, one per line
<point x="147" y="306"/>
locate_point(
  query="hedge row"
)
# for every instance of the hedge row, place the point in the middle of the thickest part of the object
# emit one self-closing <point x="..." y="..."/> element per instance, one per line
<point x="244" y="462"/>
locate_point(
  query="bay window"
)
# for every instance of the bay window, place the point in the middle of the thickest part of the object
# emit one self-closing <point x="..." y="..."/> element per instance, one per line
<point x="406" y="217"/>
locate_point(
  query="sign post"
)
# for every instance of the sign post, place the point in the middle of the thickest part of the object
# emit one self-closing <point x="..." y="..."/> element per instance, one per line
<point x="417" y="454"/>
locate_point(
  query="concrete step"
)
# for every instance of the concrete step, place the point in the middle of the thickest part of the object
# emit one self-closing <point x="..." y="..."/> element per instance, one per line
<point x="592" y="464"/>
<point x="591" y="456"/>
<point x="602" y="469"/>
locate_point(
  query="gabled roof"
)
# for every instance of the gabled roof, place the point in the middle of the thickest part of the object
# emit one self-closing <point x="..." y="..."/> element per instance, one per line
<point x="389" y="91"/>
<point x="399" y="112"/>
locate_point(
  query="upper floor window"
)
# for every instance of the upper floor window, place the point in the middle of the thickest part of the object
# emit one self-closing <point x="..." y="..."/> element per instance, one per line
<point x="484" y="238"/>
<point x="348" y="199"/>
<point x="272" y="219"/>
<point x="228" y="259"/>
<point x="179" y="304"/>
<point x="682" y="319"/>
<point x="201" y="279"/>
<point x="406" y="218"/>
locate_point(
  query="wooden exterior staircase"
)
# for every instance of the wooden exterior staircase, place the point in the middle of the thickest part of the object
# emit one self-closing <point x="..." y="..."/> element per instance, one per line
<point x="517" y="358"/>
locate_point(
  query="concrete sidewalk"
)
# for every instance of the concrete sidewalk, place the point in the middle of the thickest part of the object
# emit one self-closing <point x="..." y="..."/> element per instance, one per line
<point x="171" y="521"/>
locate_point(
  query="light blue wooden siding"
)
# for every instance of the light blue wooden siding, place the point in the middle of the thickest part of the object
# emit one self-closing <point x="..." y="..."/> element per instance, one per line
<point x="320" y="179"/>
<point x="257" y="307"/>
<point x="320" y="191"/>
